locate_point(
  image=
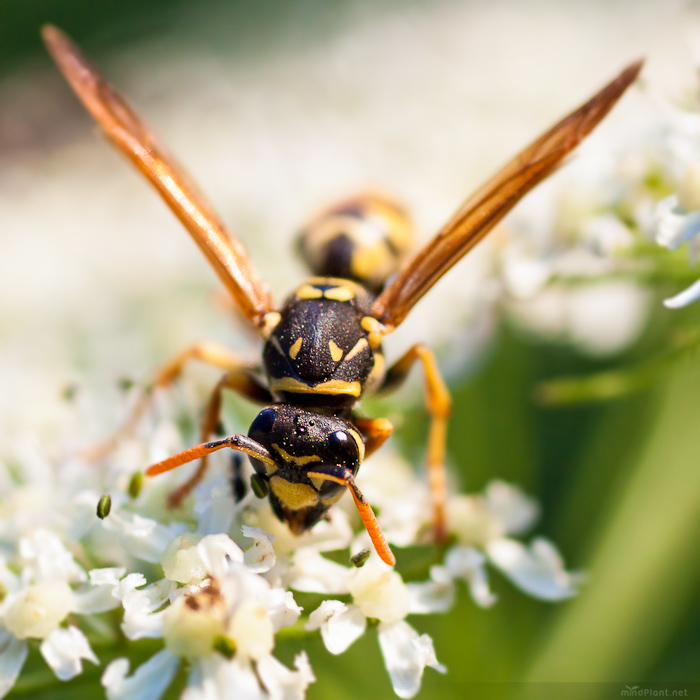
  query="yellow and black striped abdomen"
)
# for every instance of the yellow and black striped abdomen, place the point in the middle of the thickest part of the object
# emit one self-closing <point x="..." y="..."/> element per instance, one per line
<point x="365" y="239"/>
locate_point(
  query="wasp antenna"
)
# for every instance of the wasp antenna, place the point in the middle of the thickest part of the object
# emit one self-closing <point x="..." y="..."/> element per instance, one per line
<point x="345" y="477"/>
<point x="242" y="443"/>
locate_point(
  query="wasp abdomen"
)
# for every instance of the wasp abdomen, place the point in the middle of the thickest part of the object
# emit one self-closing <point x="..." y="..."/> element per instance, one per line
<point x="364" y="239"/>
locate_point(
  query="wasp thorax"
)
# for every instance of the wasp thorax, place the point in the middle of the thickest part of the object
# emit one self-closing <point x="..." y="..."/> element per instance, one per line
<point x="365" y="239"/>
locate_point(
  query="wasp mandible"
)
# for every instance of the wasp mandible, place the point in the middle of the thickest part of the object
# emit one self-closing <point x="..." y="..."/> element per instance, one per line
<point x="322" y="348"/>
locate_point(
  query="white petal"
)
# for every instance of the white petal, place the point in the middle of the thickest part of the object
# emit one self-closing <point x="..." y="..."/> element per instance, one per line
<point x="406" y="654"/>
<point x="379" y="591"/>
<point x="674" y="226"/>
<point x="260" y="556"/>
<point x="63" y="650"/>
<point x="340" y="624"/>
<point x="430" y="597"/>
<point x="217" y="552"/>
<point x="283" y="684"/>
<point x="13" y="654"/>
<point x="313" y="573"/>
<point x="47" y="559"/>
<point x="538" y="570"/>
<point x="149" y="682"/>
<point x="470" y="565"/>
<point x="98" y="596"/>
<point x="687" y="296"/>
<point x="516" y="511"/>
<point x="140" y="605"/>
<point x="282" y="608"/>
<point x="213" y="506"/>
<point x="214" y="678"/>
<point x="141" y="537"/>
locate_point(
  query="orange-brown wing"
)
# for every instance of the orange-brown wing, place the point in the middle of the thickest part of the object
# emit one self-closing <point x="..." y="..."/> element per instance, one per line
<point x="484" y="209"/>
<point x="132" y="137"/>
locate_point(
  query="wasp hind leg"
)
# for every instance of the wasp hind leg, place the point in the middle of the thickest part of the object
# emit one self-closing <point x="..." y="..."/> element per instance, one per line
<point x="439" y="406"/>
<point x="242" y="381"/>
<point x="210" y="353"/>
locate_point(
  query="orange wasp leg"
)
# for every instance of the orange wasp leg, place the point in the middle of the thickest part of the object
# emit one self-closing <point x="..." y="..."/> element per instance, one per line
<point x="375" y="431"/>
<point x="207" y="352"/>
<point x="439" y="406"/>
<point x="340" y="475"/>
<point x="243" y="382"/>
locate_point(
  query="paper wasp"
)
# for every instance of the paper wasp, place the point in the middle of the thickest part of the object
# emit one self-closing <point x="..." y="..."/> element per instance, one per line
<point x="322" y="348"/>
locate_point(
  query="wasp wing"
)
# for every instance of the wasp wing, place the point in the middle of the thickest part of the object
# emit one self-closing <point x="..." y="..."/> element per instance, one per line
<point x="131" y="136"/>
<point x="485" y="208"/>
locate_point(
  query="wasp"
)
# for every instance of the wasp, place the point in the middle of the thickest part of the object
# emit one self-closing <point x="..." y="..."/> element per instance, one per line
<point x="322" y="348"/>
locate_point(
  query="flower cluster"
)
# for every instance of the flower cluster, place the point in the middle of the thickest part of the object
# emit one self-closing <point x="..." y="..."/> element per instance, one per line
<point x="217" y="585"/>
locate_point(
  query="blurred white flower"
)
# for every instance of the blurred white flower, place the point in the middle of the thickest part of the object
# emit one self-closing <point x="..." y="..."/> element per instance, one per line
<point x="36" y="603"/>
<point x="482" y="525"/>
<point x="678" y="222"/>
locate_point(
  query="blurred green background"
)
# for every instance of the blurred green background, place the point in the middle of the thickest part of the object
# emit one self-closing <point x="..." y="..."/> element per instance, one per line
<point x="618" y="480"/>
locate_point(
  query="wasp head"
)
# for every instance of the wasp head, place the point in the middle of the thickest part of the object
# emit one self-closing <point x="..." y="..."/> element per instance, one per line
<point x="300" y="443"/>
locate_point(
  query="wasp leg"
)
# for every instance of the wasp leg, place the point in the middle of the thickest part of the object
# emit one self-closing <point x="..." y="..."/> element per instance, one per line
<point x="244" y="382"/>
<point x="375" y="431"/>
<point x="439" y="407"/>
<point x="209" y="353"/>
<point x="341" y="475"/>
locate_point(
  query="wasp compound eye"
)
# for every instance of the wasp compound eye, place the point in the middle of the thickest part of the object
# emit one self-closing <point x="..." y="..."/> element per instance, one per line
<point x="263" y="422"/>
<point x="340" y="440"/>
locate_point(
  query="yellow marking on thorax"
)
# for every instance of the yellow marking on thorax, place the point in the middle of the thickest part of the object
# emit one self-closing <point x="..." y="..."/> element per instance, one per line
<point x="296" y="346"/>
<point x="340" y="293"/>
<point x="359" y="346"/>
<point x="270" y="321"/>
<point x="308" y="291"/>
<point x="336" y="352"/>
<point x="332" y="387"/>
<point x="301" y="461"/>
<point x="375" y="330"/>
<point x="293" y="496"/>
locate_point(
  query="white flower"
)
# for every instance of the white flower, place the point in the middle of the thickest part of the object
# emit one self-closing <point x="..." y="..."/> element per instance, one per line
<point x="678" y="222"/>
<point x="223" y="622"/>
<point x="37" y="603"/>
<point x="482" y="526"/>
<point x="379" y="592"/>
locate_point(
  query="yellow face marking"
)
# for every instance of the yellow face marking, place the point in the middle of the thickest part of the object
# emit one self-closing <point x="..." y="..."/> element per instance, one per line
<point x="336" y="352"/>
<point x="375" y="330"/>
<point x="330" y="500"/>
<point x="360" y="345"/>
<point x="293" y="496"/>
<point x="296" y="346"/>
<point x="270" y="321"/>
<point x="308" y="291"/>
<point x="301" y="461"/>
<point x="360" y="443"/>
<point x="332" y="387"/>
<point x="341" y="293"/>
